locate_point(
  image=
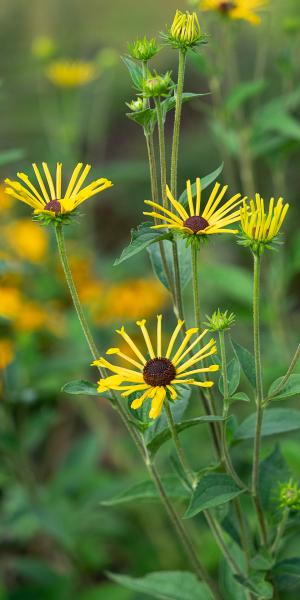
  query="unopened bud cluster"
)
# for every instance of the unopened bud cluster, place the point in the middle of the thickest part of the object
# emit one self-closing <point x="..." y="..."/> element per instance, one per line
<point x="219" y="321"/>
<point x="143" y="49"/>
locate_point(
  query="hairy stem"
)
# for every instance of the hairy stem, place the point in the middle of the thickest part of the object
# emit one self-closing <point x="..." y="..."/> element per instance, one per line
<point x="259" y="398"/>
<point x="177" y="121"/>
<point x="180" y="452"/>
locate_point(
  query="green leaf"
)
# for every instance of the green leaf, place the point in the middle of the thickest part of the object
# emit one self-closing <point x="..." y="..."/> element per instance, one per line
<point x="257" y="584"/>
<point x="273" y="470"/>
<point x="212" y="490"/>
<point x="290" y="388"/>
<point x="146" y="490"/>
<point x="242" y="93"/>
<point x="205" y="182"/>
<point x="286" y="573"/>
<point x="262" y="561"/>
<point x="275" y="420"/>
<point x="9" y="156"/>
<point x="141" y="238"/>
<point x="185" y="262"/>
<point x="246" y="361"/>
<point x="170" y="103"/>
<point x="79" y="386"/>
<point x="233" y="375"/>
<point x="160" y="439"/>
<point x="230" y="588"/>
<point x="146" y="118"/>
<point x="166" y="585"/>
<point x="135" y="71"/>
<point x="239" y="396"/>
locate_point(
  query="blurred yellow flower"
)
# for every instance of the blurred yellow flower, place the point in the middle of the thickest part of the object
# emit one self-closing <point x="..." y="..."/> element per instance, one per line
<point x="11" y="302"/>
<point x="31" y="317"/>
<point x="71" y="74"/>
<point x="7" y="353"/>
<point x="237" y="9"/>
<point x="26" y="240"/>
<point x="126" y="300"/>
<point x="52" y="201"/>
<point x="5" y="200"/>
<point x="43" y="47"/>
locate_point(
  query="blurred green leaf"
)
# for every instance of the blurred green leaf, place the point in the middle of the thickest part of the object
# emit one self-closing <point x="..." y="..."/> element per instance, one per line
<point x="246" y="361"/>
<point x="105" y="591"/>
<point x="205" y="183"/>
<point x="273" y="470"/>
<point x="146" y="490"/>
<point x="9" y="156"/>
<point x="243" y="92"/>
<point x="166" y="585"/>
<point x="160" y="439"/>
<point x="184" y="266"/>
<point x="230" y="588"/>
<point x="275" y="420"/>
<point x="212" y="490"/>
<point x="286" y="573"/>
<point x="227" y="279"/>
<point x="290" y="388"/>
<point x="141" y="238"/>
<point x="80" y="386"/>
<point x="257" y="584"/>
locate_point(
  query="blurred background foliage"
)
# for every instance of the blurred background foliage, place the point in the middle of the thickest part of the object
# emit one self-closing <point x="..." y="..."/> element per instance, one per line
<point x="62" y="455"/>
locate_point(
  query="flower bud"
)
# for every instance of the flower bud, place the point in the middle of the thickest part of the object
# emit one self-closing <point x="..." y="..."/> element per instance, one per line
<point x="185" y="31"/>
<point x="143" y="49"/>
<point x="135" y="105"/>
<point x="219" y="321"/>
<point x="157" y="85"/>
<point x="289" y="495"/>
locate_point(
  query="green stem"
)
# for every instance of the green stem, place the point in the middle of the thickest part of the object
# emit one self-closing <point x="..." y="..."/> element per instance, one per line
<point x="280" y="531"/>
<point x="177" y="121"/>
<point x="207" y="400"/>
<point x="177" y="282"/>
<point x="259" y="398"/>
<point x="218" y="534"/>
<point x="162" y="150"/>
<point x="181" y="532"/>
<point x="225" y="453"/>
<point x="192" y="480"/>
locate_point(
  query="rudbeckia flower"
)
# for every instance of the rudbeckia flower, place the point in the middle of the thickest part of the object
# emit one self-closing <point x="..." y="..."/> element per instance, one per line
<point x="260" y="225"/>
<point x="236" y="9"/>
<point x="46" y="196"/>
<point x="193" y="220"/>
<point x="159" y="370"/>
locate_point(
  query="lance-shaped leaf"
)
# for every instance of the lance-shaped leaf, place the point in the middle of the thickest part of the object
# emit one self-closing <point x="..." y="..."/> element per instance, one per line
<point x="141" y="238"/>
<point x="163" y="436"/>
<point x="246" y="361"/>
<point x="290" y="388"/>
<point x="205" y="182"/>
<point x="79" y="386"/>
<point x="275" y="420"/>
<point x="146" y="490"/>
<point x="212" y="490"/>
<point x="166" y="585"/>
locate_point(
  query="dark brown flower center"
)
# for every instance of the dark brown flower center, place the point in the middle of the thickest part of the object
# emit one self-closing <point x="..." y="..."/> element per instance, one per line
<point x="196" y="223"/>
<point x="54" y="206"/>
<point x="225" y="7"/>
<point x="159" y="372"/>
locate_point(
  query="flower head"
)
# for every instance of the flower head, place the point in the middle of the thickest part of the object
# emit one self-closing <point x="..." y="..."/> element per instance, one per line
<point x="236" y="9"/>
<point x="47" y="198"/>
<point x="71" y="74"/>
<point x="289" y="495"/>
<point x="157" y="85"/>
<point x="185" y="31"/>
<point x="143" y="49"/>
<point x="260" y="227"/>
<point x="159" y="370"/>
<point x="135" y="105"/>
<point x="193" y="222"/>
<point x="219" y="321"/>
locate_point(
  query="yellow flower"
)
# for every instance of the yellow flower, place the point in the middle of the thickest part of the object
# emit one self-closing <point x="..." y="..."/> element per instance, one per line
<point x="126" y="300"/>
<point x="185" y="30"/>
<point x="208" y="221"/>
<point x="10" y="302"/>
<point x="71" y="74"/>
<point x="53" y="201"/>
<point x="6" y="352"/>
<point x="260" y="226"/>
<point x="237" y="9"/>
<point x="26" y="240"/>
<point x="5" y="200"/>
<point x="163" y="369"/>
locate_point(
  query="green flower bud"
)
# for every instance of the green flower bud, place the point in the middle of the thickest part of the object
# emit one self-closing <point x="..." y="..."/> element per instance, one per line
<point x="157" y="85"/>
<point x="219" y="321"/>
<point x="143" y="49"/>
<point x="135" y="105"/>
<point x="289" y="495"/>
